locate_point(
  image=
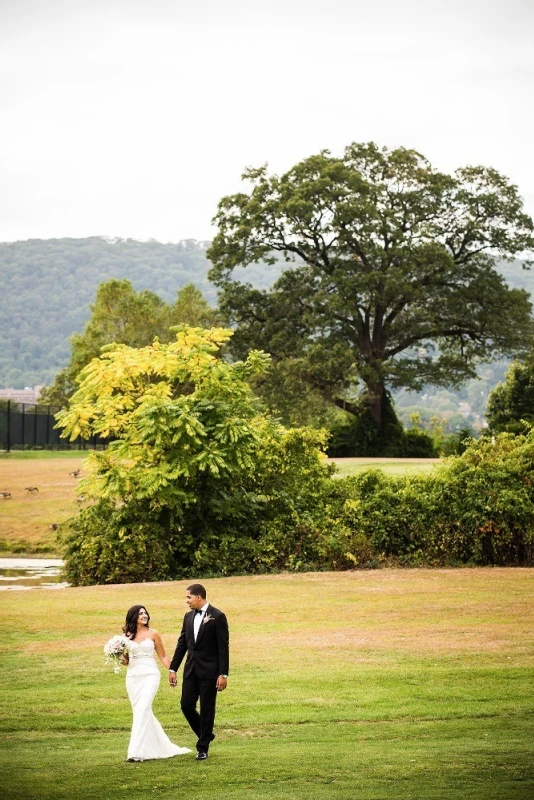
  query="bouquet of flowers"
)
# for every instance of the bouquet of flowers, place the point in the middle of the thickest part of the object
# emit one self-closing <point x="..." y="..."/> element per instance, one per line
<point x="115" y="650"/>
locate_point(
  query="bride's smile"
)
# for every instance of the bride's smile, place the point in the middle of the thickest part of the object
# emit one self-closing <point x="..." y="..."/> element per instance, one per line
<point x="142" y="619"/>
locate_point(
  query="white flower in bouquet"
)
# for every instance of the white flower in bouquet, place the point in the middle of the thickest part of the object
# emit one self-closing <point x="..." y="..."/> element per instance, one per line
<point x="115" y="650"/>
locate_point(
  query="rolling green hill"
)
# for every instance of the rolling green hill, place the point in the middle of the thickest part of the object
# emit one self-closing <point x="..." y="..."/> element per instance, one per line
<point x="48" y="285"/>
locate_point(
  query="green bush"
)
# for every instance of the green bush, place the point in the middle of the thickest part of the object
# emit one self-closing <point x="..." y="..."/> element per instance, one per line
<point x="456" y="443"/>
<point x="416" y="444"/>
<point x="270" y="518"/>
<point x="198" y="478"/>
<point x="289" y="514"/>
<point x="487" y="498"/>
<point x="200" y="481"/>
<point x="105" y="544"/>
<point x="478" y="508"/>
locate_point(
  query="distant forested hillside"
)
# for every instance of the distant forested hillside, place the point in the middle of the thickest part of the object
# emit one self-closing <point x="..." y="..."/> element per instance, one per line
<point x="47" y="286"/>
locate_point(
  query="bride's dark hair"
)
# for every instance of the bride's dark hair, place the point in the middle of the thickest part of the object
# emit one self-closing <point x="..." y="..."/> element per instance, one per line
<point x="130" y="626"/>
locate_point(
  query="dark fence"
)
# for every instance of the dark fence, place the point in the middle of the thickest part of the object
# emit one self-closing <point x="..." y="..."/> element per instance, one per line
<point x="25" y="426"/>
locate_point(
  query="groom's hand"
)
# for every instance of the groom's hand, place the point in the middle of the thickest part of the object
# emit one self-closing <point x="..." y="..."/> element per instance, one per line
<point x="221" y="683"/>
<point x="172" y="679"/>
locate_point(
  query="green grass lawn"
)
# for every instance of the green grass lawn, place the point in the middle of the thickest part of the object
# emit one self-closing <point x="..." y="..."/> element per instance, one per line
<point x="16" y="455"/>
<point x="391" y="466"/>
<point x="397" y="684"/>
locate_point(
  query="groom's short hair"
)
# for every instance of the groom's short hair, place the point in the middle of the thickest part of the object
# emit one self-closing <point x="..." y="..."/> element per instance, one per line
<point x="197" y="589"/>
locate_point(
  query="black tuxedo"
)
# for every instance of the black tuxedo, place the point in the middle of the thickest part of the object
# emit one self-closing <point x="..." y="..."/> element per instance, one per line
<point x="207" y="658"/>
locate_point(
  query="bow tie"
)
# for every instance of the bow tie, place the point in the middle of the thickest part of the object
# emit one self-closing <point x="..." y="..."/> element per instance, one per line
<point x="198" y="611"/>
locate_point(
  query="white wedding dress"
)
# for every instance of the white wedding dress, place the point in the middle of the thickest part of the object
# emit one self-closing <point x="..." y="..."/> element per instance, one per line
<point x="148" y="739"/>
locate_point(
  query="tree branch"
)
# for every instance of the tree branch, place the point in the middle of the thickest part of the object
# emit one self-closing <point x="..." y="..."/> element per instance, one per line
<point x="346" y="405"/>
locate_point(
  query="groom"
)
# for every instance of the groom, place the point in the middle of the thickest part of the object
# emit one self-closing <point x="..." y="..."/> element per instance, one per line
<point x="204" y="637"/>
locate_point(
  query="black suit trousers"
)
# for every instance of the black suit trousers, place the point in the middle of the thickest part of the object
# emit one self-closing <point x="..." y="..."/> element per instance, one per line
<point x="194" y="689"/>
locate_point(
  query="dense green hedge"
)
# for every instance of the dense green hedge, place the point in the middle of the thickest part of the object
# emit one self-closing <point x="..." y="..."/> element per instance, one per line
<point x="478" y="508"/>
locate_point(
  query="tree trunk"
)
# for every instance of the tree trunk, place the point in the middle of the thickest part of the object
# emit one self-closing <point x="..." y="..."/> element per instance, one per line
<point x="376" y="396"/>
<point x="375" y="402"/>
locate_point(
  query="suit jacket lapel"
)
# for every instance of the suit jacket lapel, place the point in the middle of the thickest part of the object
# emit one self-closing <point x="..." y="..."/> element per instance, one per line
<point x="202" y="625"/>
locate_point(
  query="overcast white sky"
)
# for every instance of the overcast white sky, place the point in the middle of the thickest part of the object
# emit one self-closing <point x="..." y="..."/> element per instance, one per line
<point x="133" y="118"/>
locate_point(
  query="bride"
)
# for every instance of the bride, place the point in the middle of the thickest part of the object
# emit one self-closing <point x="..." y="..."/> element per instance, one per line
<point x="148" y="739"/>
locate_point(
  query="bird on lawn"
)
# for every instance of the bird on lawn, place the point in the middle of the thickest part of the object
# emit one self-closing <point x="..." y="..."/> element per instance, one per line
<point x="54" y="526"/>
<point x="75" y="473"/>
<point x="32" y="489"/>
<point x="5" y="495"/>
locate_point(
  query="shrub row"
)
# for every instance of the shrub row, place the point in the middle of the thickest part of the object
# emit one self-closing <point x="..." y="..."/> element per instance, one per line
<point x="476" y="509"/>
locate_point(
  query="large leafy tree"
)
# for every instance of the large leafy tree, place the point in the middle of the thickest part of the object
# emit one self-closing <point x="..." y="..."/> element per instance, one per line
<point x="123" y="315"/>
<point x="391" y="279"/>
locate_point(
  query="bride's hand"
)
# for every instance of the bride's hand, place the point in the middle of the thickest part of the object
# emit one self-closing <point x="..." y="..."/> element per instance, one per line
<point x="125" y="660"/>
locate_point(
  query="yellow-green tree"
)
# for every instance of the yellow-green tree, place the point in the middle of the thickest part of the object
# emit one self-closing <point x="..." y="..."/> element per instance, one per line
<point x="122" y="315"/>
<point x="196" y="475"/>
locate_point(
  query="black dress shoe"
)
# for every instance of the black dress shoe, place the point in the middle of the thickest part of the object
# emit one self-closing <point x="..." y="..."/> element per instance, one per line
<point x="201" y="755"/>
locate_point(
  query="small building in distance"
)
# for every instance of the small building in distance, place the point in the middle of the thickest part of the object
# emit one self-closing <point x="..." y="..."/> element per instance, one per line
<point x="26" y="395"/>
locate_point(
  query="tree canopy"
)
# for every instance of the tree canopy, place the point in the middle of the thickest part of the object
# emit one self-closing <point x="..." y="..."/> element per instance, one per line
<point x="124" y="316"/>
<point x="511" y="403"/>
<point x="391" y="279"/>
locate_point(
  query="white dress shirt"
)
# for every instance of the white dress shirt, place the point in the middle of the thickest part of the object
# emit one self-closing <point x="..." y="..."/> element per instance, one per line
<point x="197" y="622"/>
